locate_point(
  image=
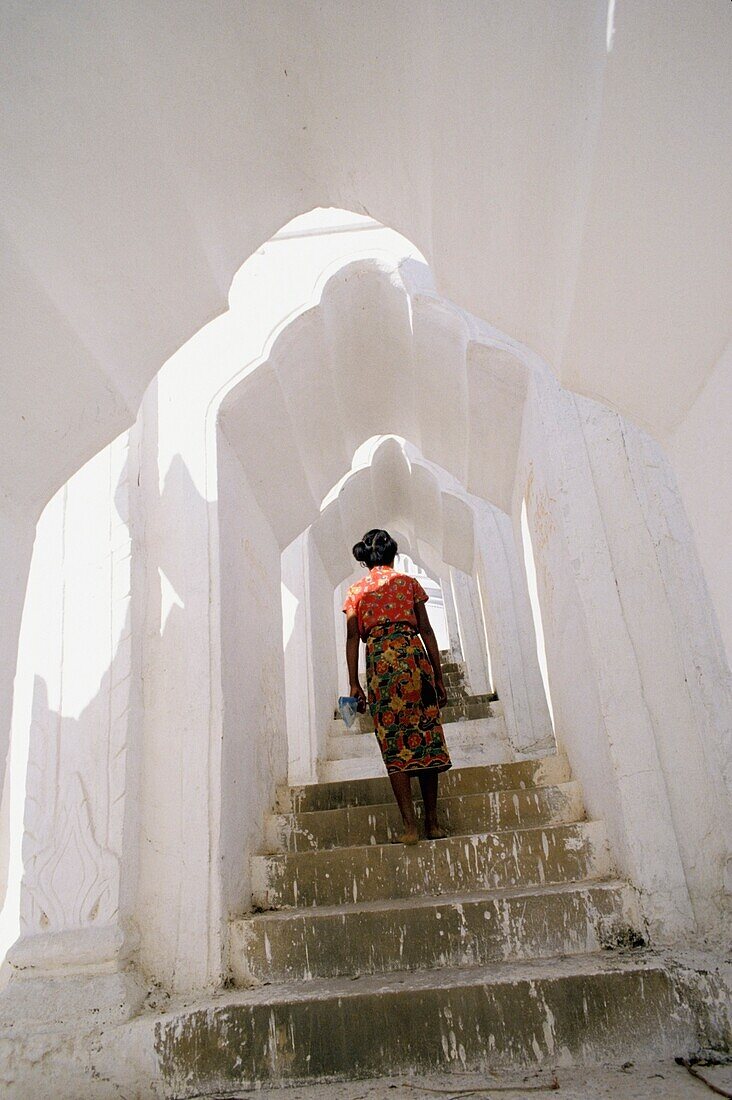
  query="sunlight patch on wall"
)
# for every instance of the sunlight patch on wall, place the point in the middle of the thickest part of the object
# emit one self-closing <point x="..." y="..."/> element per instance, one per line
<point x="530" y="566"/>
<point x="610" y="31"/>
<point x="169" y="599"/>
<point x="290" y="604"/>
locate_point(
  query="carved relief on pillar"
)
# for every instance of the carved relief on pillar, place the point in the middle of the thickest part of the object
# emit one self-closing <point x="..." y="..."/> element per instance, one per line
<point x="79" y="756"/>
<point x="70" y="882"/>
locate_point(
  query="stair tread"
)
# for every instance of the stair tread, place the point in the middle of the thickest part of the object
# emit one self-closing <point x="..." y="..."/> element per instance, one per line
<point x="464" y="897"/>
<point x="443" y="842"/>
<point x="397" y="982"/>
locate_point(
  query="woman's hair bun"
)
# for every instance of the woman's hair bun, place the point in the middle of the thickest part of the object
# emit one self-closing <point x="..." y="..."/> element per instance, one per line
<point x="377" y="547"/>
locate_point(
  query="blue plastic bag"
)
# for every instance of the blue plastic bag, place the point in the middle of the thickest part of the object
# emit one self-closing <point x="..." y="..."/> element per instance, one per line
<point x="348" y="706"/>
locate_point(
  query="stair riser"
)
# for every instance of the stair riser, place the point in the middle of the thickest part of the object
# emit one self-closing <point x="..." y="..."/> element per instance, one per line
<point x="526" y="857"/>
<point x="472" y="933"/>
<point x="366" y="792"/>
<point x="486" y="754"/>
<point x="470" y="735"/>
<point x="481" y="813"/>
<point x="578" y="1018"/>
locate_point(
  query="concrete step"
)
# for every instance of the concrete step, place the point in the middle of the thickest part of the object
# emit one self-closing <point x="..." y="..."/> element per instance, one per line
<point x="486" y="861"/>
<point x="460" y="736"/>
<point x="425" y="933"/>
<point x="459" y="814"/>
<point x="580" y="1009"/>
<point x="452" y="668"/>
<point x="540" y="772"/>
<point x="359" y="792"/>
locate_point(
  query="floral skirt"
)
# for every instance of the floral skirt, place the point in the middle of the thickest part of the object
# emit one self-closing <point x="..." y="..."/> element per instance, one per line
<point x="403" y="701"/>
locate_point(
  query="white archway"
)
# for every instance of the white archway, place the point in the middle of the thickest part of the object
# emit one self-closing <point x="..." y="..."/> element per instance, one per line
<point x="239" y="442"/>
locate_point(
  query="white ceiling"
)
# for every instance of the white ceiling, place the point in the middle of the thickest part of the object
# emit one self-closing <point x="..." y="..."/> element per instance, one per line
<point x="576" y="199"/>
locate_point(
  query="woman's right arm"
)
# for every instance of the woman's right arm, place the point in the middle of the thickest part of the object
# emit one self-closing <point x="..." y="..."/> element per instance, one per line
<point x="430" y="643"/>
<point x="352" y="642"/>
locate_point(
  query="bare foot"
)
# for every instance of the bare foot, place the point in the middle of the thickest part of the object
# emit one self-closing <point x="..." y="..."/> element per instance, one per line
<point x="411" y="836"/>
<point x="434" y="832"/>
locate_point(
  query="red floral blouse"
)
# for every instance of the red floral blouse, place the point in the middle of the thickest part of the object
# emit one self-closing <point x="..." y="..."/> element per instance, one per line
<point x="384" y="596"/>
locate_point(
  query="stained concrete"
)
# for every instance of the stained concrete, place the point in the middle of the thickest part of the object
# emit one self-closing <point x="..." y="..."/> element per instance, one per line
<point x="545" y="1013"/>
<point x="514" y="857"/>
<point x="426" y="933"/>
<point x="517" y="976"/>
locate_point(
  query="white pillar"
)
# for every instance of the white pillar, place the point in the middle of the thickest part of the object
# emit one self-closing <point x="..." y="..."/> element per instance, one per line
<point x="453" y="628"/>
<point x="472" y="635"/>
<point x="622" y="649"/>
<point x="509" y="633"/>
<point x="302" y="749"/>
<point x="310" y="658"/>
<point x="17" y="530"/>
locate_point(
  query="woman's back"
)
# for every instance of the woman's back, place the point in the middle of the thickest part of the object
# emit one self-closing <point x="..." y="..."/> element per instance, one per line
<point x="384" y="596"/>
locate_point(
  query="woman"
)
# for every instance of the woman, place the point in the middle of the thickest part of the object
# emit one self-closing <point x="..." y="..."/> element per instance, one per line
<point x="386" y="611"/>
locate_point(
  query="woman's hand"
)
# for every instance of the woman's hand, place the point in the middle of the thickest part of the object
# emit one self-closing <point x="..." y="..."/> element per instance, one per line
<point x="357" y="693"/>
<point x="441" y="691"/>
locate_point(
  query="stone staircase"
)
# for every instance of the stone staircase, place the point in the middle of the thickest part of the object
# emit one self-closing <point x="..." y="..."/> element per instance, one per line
<point x="475" y="732"/>
<point x="511" y="943"/>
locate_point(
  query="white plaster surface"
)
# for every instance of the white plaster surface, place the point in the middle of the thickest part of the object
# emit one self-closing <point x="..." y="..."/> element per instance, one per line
<point x="245" y="441"/>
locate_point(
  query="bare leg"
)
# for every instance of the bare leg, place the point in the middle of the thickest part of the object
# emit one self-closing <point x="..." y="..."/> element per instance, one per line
<point x="428" y="785"/>
<point x="401" y="786"/>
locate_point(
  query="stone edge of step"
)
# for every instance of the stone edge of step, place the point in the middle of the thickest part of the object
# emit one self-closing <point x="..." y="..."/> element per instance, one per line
<point x="606" y="910"/>
<point x="399" y="982"/>
<point x="593" y="828"/>
<point x="430" y="901"/>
